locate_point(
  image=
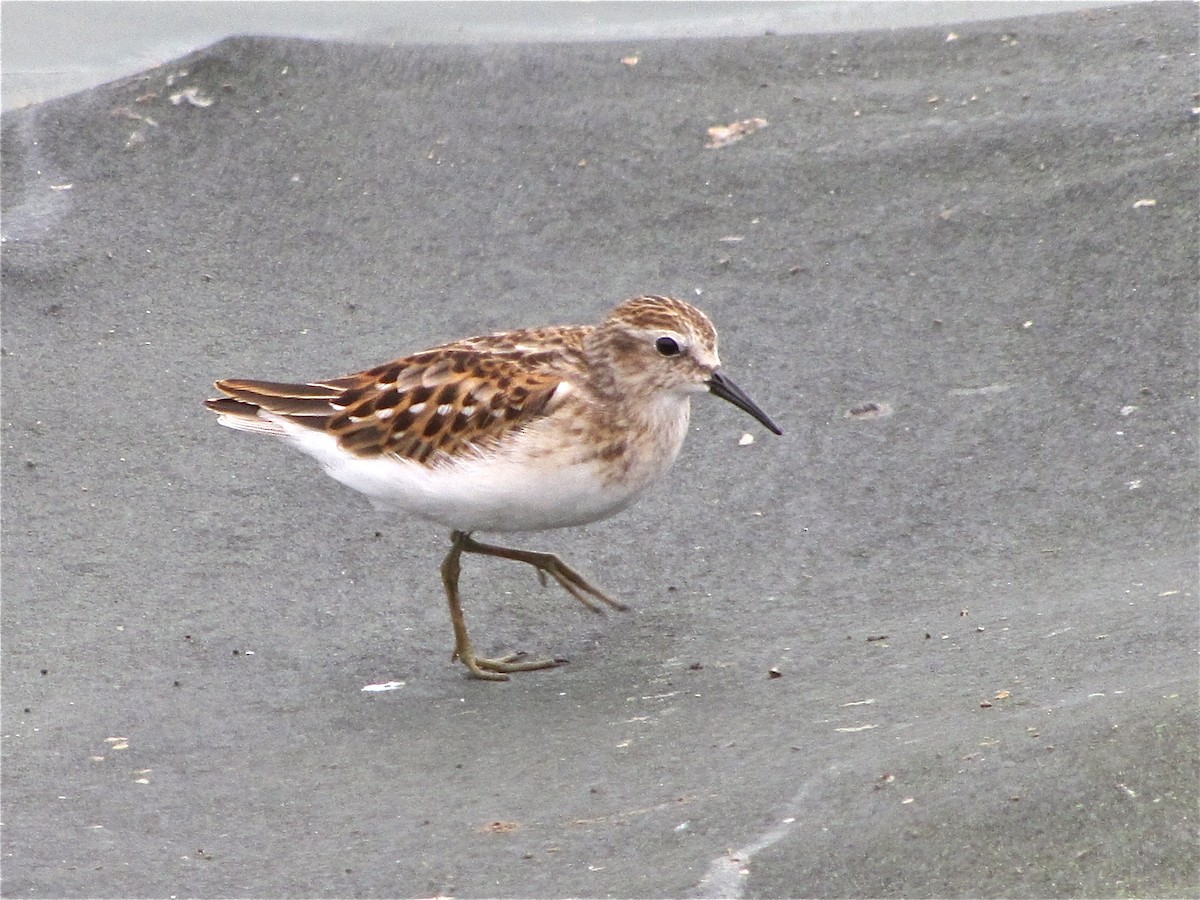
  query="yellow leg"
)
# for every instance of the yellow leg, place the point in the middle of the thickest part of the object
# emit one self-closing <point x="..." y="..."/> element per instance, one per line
<point x="546" y="564"/>
<point x="480" y="667"/>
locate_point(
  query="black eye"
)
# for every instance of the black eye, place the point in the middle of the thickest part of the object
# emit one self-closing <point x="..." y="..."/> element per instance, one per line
<point x="667" y="346"/>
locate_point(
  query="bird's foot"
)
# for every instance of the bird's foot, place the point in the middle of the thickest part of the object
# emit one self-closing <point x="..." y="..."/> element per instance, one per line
<point x="548" y="564"/>
<point x="499" y="668"/>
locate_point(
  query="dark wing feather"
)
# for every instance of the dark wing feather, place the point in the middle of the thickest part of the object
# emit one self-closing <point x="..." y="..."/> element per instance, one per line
<point x="425" y="407"/>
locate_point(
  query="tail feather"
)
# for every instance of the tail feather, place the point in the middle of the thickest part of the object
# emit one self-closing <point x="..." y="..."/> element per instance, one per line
<point x="238" y="386"/>
<point x="254" y="405"/>
<point x="242" y="416"/>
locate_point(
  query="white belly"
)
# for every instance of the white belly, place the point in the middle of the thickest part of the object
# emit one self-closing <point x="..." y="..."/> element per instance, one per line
<point x="501" y="492"/>
<point x="488" y="494"/>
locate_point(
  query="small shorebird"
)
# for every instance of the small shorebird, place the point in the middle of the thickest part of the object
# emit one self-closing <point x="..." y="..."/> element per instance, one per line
<point x="519" y="431"/>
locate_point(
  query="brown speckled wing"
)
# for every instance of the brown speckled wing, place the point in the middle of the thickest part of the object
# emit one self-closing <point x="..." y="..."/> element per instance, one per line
<point x="471" y="394"/>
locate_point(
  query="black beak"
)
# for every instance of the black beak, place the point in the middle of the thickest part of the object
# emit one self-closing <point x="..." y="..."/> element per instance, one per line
<point x="722" y="387"/>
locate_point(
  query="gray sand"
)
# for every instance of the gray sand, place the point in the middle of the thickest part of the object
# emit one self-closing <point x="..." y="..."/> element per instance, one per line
<point x="981" y="607"/>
